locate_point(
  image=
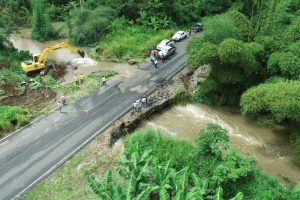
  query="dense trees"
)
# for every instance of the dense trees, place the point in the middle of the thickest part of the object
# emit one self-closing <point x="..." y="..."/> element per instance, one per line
<point x="42" y="28"/>
<point x="263" y="47"/>
<point x="87" y="27"/>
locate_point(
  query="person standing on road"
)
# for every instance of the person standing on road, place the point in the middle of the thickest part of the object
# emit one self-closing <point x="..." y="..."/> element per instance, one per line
<point x="162" y="57"/>
<point x="134" y="107"/>
<point x="190" y="32"/>
<point x="144" y="102"/>
<point x="155" y="54"/>
<point x="81" y="77"/>
<point x="59" y="104"/>
<point x="152" y="60"/>
<point x="63" y="99"/>
<point x="138" y="104"/>
<point x="103" y="80"/>
<point x="155" y="63"/>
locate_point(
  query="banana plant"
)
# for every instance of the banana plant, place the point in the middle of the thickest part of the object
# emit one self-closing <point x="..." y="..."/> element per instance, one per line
<point x="182" y="189"/>
<point x="106" y="189"/>
<point x="238" y="196"/>
<point x="219" y="193"/>
<point x="159" y="180"/>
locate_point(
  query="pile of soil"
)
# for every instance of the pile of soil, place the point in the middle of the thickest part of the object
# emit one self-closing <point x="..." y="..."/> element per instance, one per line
<point x="58" y="70"/>
<point x="36" y="99"/>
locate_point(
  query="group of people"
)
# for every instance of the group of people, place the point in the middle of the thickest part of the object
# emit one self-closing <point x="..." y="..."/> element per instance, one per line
<point x="154" y="55"/>
<point x="140" y="103"/>
<point x="79" y="79"/>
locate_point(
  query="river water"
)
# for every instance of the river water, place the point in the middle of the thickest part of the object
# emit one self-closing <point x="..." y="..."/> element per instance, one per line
<point x="270" y="148"/>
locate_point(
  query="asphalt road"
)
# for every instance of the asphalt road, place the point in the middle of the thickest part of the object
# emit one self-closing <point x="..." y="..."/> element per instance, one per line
<point x="33" y="152"/>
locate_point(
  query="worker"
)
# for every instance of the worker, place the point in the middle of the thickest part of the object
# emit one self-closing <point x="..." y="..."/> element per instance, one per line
<point x="134" y="106"/>
<point x="59" y="104"/>
<point x="152" y="60"/>
<point x="103" y="80"/>
<point x="63" y="99"/>
<point x="138" y="104"/>
<point x="81" y="77"/>
<point x="155" y="63"/>
<point x="144" y="102"/>
<point x="162" y="57"/>
<point x="76" y="80"/>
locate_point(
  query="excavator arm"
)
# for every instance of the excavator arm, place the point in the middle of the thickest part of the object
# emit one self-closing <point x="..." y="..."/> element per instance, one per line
<point x="63" y="45"/>
<point x="38" y="62"/>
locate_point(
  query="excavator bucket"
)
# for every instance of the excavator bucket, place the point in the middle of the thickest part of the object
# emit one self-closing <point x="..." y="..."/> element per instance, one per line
<point x="81" y="53"/>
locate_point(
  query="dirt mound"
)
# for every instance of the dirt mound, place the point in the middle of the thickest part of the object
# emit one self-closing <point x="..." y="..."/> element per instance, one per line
<point x="36" y="99"/>
<point x="58" y="70"/>
<point x="9" y="88"/>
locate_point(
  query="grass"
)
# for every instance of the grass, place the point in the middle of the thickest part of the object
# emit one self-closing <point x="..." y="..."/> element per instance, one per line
<point x="68" y="182"/>
<point x="126" y="42"/>
<point x="90" y="84"/>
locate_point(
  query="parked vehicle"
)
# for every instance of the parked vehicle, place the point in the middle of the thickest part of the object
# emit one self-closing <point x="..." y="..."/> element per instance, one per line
<point x="167" y="51"/>
<point x="179" y="35"/>
<point x="164" y="43"/>
<point x="197" y="27"/>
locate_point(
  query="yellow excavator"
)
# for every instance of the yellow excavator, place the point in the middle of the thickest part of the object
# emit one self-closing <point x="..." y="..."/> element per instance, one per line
<point x="38" y="62"/>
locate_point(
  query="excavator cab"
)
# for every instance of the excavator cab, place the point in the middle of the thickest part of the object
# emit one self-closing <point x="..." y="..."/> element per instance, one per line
<point x="35" y="58"/>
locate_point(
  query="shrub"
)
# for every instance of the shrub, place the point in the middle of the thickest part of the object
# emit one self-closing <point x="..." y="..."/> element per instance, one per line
<point x="163" y="148"/>
<point x="280" y="100"/>
<point x="12" y="117"/>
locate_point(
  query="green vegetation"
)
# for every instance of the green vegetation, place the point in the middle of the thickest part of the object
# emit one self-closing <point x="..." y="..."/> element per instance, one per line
<point x="42" y="28"/>
<point x="12" y="117"/>
<point x="87" y="27"/>
<point x="254" y="59"/>
<point x="127" y="41"/>
<point x="156" y="166"/>
<point x="69" y="181"/>
<point x="280" y="100"/>
<point x="90" y="84"/>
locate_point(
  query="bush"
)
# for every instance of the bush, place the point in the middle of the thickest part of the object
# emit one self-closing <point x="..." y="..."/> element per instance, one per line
<point x="280" y="100"/>
<point x="12" y="117"/>
<point x="163" y="148"/>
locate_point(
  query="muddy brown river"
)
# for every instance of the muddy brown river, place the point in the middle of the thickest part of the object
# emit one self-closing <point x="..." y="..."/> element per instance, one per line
<point x="270" y="148"/>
